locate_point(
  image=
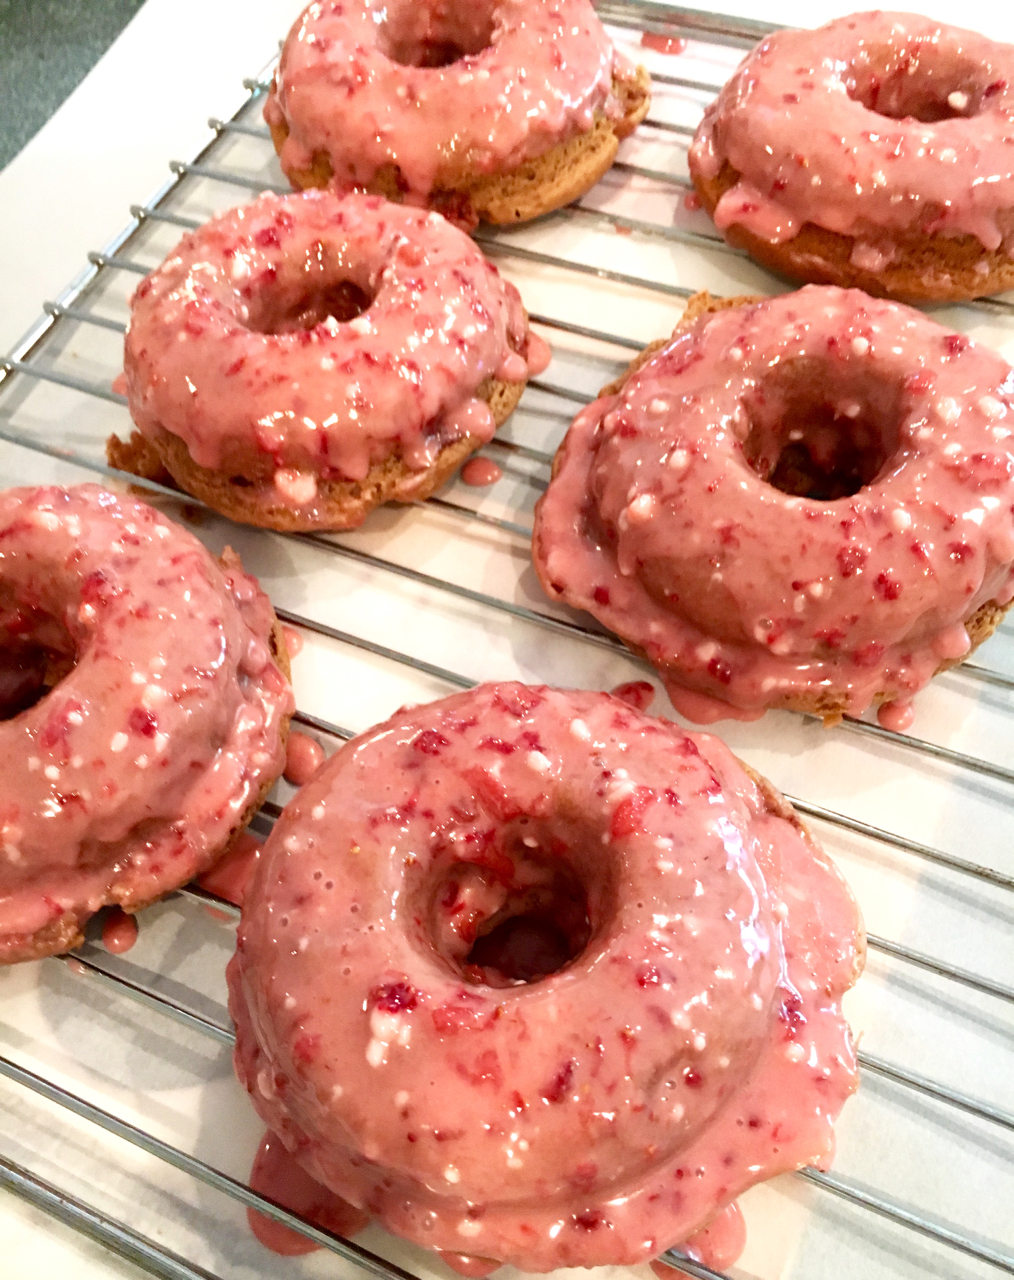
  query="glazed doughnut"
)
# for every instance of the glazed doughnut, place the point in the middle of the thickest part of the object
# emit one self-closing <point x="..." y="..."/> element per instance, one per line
<point x="531" y="976"/>
<point x="501" y="110"/>
<point x="297" y="361"/>
<point x="876" y="152"/>
<point x="144" y="702"/>
<point x="801" y="502"/>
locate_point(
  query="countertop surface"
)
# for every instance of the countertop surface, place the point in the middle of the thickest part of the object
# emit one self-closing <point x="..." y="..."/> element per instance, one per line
<point x="47" y="47"/>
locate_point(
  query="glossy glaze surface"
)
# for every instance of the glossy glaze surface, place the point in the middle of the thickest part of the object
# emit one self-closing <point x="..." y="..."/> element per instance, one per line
<point x="126" y="778"/>
<point x="234" y="344"/>
<point x="873" y="124"/>
<point x="366" y="83"/>
<point x="685" y="1041"/>
<point x="661" y="520"/>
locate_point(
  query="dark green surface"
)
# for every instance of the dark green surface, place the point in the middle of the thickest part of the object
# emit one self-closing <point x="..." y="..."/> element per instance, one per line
<point x="47" y="47"/>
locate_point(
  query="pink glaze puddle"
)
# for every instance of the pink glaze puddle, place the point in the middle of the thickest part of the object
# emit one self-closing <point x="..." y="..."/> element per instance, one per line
<point x="638" y="694"/>
<point x="120" y="384"/>
<point x="537" y="357"/>
<point x="119" y="931"/>
<point x="303" y="757"/>
<point x="718" y="1246"/>
<point x="276" y="1175"/>
<point x="480" y="472"/>
<point x="692" y="201"/>
<point x="293" y="641"/>
<point x="229" y="877"/>
<point x="701" y="708"/>
<point x="465" y="1265"/>
<point x="896" y="716"/>
<point x="663" y="44"/>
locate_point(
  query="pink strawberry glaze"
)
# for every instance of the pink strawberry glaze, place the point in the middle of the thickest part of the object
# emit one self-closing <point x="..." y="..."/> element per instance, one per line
<point x="357" y="81"/>
<point x="127" y="778"/>
<point x="119" y="931"/>
<point x="718" y="1246"/>
<point x="743" y="596"/>
<point x="480" y="472"/>
<point x="229" y="877"/>
<point x="303" y="757"/>
<point x="293" y="641"/>
<point x="663" y="44"/>
<point x="692" y="1045"/>
<point x="871" y="125"/>
<point x="232" y="346"/>
<point x="276" y="1175"/>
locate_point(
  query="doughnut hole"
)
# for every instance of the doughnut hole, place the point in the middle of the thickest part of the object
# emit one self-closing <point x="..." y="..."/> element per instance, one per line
<point x="426" y="35"/>
<point x="912" y="84"/>
<point x="516" y="917"/>
<point x="812" y="435"/>
<point x="36" y="652"/>
<point x="304" y="295"/>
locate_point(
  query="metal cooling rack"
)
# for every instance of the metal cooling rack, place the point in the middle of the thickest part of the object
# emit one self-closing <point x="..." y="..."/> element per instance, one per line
<point x="932" y="1127"/>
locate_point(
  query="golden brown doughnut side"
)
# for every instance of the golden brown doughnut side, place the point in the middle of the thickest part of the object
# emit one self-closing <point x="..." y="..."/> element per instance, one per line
<point x="566" y="171"/>
<point x="536" y="187"/>
<point x="927" y="268"/>
<point x="340" y="504"/>
<point x="829" y="706"/>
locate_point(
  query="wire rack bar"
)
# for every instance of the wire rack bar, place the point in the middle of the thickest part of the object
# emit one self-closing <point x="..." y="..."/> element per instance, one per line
<point x="81" y="964"/>
<point x="505" y="249"/>
<point x="953" y="863"/>
<point x="977" y="672"/>
<point x="116" y="1236"/>
<point x="643" y="15"/>
<point x="238" y="126"/>
<point x="949" y="756"/>
<point x="931" y="964"/>
<point x="240" y="1191"/>
<point x="898" y="1213"/>
<point x="200" y="1170"/>
<point x="933" y="749"/>
<point x="180" y="1013"/>
<point x="185" y="169"/>
<point x="638" y="14"/>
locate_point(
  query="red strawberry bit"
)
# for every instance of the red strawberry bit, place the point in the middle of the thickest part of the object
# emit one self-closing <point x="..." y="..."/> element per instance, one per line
<point x="638" y="694"/>
<point x="628" y="814"/>
<point x="306" y="1048"/>
<point x="430" y="742"/>
<point x="557" y="1088"/>
<point x="395" y="997"/>
<point x="142" y="722"/>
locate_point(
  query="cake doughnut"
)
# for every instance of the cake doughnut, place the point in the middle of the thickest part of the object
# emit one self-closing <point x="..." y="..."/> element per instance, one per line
<point x="500" y="110"/>
<point x="532" y="977"/>
<point x="876" y="151"/>
<point x="800" y="502"/>
<point x="299" y="360"/>
<point x="144" y="703"/>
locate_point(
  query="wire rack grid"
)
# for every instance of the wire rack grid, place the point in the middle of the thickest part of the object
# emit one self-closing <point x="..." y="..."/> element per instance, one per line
<point x="120" y="1115"/>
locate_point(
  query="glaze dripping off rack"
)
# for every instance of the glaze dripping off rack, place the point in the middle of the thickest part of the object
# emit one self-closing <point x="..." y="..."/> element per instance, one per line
<point x="119" y="1114"/>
